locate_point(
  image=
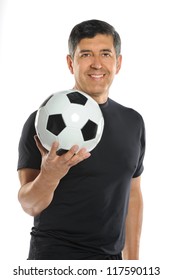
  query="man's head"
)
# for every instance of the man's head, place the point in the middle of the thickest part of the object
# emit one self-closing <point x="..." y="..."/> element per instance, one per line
<point x="89" y="29"/>
<point x="94" y="57"/>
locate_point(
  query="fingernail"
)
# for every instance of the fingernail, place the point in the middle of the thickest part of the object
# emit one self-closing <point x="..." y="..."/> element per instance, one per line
<point x="75" y="148"/>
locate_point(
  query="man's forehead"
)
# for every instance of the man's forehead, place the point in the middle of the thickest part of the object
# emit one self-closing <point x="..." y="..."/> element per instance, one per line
<point x="97" y="43"/>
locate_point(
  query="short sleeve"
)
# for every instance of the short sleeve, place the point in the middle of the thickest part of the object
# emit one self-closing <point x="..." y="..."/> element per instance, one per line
<point x="142" y="141"/>
<point x="29" y="155"/>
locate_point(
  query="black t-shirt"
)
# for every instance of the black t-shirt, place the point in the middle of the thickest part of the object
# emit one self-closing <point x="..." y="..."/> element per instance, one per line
<point x="86" y="218"/>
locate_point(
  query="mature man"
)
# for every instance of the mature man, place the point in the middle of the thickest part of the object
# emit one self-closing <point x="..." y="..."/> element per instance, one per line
<point x="87" y="205"/>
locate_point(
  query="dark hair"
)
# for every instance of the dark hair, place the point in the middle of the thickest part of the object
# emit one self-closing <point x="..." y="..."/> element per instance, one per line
<point x="89" y="29"/>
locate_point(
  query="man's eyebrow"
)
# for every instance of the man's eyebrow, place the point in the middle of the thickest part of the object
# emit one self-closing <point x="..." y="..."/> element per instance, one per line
<point x="102" y="50"/>
<point x="105" y="50"/>
<point x="85" y="50"/>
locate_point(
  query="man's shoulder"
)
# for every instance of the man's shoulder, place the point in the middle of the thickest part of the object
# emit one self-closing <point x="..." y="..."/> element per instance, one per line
<point x="31" y="118"/>
<point x="125" y="111"/>
<point x="29" y="124"/>
<point x="32" y="115"/>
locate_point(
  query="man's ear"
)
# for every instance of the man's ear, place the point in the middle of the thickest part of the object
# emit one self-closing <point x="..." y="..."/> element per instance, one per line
<point x="70" y="63"/>
<point x="119" y="62"/>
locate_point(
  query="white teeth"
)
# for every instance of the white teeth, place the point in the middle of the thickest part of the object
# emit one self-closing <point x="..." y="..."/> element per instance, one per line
<point x="97" y="76"/>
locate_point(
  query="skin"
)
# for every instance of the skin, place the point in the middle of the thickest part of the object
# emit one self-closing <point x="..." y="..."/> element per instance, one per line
<point x="134" y="222"/>
<point x="94" y="67"/>
<point x="38" y="186"/>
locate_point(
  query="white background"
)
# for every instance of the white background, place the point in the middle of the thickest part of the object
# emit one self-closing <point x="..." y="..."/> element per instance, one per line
<point x="33" y="48"/>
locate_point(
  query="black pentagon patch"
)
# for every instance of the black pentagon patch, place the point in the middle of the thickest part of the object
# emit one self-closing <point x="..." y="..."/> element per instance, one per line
<point x="45" y="102"/>
<point x="89" y="130"/>
<point x="77" y="98"/>
<point x="55" y="124"/>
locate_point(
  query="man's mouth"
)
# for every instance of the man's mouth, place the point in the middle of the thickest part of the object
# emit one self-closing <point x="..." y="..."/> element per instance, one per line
<point x="96" y="76"/>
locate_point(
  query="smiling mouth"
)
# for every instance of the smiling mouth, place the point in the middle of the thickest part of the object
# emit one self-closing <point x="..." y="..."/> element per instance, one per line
<point x="98" y="76"/>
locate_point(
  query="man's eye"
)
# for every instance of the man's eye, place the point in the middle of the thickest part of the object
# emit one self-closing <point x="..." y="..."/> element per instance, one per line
<point x="85" y="54"/>
<point x="106" y="54"/>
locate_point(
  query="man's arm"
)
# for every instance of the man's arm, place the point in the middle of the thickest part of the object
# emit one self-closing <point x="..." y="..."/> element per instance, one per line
<point x="133" y="222"/>
<point x="37" y="187"/>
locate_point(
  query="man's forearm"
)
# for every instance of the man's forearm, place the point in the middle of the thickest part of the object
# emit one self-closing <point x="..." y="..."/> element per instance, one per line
<point x="35" y="196"/>
<point x="133" y="226"/>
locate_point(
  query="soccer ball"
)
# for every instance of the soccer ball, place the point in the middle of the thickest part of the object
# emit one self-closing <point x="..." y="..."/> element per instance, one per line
<point x="70" y="117"/>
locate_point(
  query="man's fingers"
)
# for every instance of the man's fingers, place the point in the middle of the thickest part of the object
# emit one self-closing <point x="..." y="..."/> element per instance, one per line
<point x="70" y="158"/>
<point x="53" y="150"/>
<point x="80" y="156"/>
<point x="67" y="156"/>
<point x="74" y="156"/>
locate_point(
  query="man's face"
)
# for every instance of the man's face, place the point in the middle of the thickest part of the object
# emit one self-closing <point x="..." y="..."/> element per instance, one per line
<point x="94" y="66"/>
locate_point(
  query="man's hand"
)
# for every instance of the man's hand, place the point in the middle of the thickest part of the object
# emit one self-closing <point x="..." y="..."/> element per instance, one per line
<point x="56" y="167"/>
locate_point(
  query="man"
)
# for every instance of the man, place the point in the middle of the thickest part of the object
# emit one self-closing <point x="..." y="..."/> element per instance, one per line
<point x="87" y="205"/>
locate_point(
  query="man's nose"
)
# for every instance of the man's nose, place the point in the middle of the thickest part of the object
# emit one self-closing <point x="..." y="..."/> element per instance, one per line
<point x="96" y="63"/>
